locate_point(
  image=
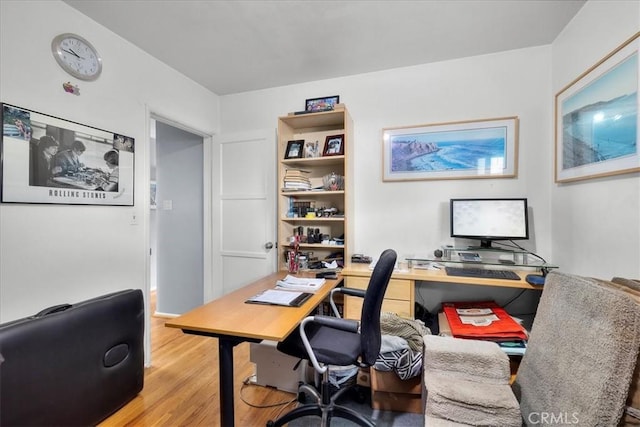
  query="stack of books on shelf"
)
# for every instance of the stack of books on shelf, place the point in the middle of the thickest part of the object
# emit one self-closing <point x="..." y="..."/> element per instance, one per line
<point x="484" y="320"/>
<point x="296" y="180"/>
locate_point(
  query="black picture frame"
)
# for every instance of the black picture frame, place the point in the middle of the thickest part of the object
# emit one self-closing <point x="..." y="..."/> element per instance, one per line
<point x="333" y="146"/>
<point x="295" y="149"/>
<point x="50" y="160"/>
<point x="326" y="103"/>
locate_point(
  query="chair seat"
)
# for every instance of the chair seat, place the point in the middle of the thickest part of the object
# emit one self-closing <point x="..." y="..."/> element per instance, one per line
<point x="331" y="346"/>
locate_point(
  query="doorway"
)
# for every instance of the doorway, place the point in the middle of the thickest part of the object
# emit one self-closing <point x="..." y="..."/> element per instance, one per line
<point x="177" y="243"/>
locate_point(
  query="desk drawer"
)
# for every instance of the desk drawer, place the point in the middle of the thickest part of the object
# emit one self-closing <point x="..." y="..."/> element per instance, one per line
<point x="397" y="289"/>
<point x="353" y="307"/>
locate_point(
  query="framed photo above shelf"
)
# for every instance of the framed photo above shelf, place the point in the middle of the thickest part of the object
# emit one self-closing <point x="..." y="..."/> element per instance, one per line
<point x="46" y="159"/>
<point x="326" y="103"/>
<point x="596" y="119"/>
<point x="455" y="150"/>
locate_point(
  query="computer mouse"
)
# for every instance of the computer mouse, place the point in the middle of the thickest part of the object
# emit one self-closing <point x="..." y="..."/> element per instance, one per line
<point x="534" y="279"/>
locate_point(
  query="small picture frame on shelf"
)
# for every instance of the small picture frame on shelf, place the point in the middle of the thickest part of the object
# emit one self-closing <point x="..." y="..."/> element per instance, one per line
<point x="295" y="149"/>
<point x="326" y="103"/>
<point x="334" y="146"/>
<point x="311" y="149"/>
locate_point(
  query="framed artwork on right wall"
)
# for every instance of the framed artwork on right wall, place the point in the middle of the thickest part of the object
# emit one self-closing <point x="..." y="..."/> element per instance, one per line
<point x="596" y="119"/>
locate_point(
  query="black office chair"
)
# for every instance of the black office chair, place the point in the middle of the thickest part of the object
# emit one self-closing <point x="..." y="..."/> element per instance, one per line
<point x="326" y="340"/>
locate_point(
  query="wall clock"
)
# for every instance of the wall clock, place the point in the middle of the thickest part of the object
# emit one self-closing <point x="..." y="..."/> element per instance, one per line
<point x="76" y="56"/>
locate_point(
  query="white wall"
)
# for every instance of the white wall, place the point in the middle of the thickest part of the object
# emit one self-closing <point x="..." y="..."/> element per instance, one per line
<point x="51" y="254"/>
<point x="179" y="226"/>
<point x="589" y="228"/>
<point x="596" y="223"/>
<point x="412" y="216"/>
<point x="54" y="254"/>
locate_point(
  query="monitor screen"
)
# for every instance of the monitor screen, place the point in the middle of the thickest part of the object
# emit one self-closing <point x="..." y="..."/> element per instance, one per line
<point x="489" y="219"/>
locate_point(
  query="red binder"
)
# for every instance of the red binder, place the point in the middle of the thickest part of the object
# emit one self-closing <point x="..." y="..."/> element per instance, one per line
<point x="488" y="320"/>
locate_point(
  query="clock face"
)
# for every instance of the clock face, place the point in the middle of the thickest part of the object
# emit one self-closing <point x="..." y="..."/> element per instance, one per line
<point x="76" y="56"/>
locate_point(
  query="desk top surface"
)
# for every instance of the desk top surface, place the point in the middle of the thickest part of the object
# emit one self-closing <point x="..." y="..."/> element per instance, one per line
<point x="363" y="270"/>
<point x="230" y="316"/>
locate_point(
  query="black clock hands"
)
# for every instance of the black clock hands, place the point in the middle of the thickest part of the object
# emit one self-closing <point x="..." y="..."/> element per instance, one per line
<point x="73" y="53"/>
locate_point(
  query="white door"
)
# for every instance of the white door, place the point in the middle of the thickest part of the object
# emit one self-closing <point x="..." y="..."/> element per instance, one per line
<point x="244" y="209"/>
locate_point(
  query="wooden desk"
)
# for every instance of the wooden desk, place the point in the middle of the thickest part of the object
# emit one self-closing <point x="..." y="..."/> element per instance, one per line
<point x="233" y="321"/>
<point x="400" y="295"/>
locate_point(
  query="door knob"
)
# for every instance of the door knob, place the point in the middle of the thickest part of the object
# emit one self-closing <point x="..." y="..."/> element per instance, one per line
<point x="268" y="245"/>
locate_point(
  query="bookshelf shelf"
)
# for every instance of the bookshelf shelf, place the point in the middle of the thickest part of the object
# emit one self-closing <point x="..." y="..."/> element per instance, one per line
<point x="320" y="219"/>
<point x="307" y="193"/>
<point x="313" y="161"/>
<point x="333" y="248"/>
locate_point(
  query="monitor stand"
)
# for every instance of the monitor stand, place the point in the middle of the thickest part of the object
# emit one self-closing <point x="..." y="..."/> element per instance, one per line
<point x="486" y="244"/>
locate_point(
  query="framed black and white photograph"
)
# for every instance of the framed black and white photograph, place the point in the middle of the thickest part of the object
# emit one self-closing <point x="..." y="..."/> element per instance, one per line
<point x="295" y="149"/>
<point x="50" y="160"/>
<point x="334" y="145"/>
<point x="326" y="103"/>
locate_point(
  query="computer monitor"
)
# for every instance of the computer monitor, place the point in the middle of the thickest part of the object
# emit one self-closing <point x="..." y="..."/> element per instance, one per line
<point x="489" y="219"/>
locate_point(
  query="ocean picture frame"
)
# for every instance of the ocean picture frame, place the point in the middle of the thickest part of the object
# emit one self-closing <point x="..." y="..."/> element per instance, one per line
<point x="596" y="119"/>
<point x="468" y="149"/>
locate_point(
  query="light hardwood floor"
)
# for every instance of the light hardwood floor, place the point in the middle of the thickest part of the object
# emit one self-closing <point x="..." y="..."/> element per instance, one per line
<point x="181" y="386"/>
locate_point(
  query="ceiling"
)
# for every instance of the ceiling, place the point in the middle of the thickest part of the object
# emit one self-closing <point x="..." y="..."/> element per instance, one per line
<point x="237" y="46"/>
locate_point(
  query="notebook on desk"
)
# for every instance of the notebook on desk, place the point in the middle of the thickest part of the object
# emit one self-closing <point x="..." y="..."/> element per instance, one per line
<point x="280" y="297"/>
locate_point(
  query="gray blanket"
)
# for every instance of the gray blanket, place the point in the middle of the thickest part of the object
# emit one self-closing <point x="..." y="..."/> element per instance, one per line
<point x="581" y="354"/>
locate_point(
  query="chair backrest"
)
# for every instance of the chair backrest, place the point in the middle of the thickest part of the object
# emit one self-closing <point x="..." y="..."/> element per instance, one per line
<point x="370" y="318"/>
<point x="582" y="352"/>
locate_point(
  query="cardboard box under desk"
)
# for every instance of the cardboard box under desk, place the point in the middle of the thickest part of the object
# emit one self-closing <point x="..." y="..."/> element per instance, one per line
<point x="276" y="369"/>
<point x="390" y="393"/>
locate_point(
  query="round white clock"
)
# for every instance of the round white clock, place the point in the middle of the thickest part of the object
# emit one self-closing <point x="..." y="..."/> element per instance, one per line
<point x="77" y="56"/>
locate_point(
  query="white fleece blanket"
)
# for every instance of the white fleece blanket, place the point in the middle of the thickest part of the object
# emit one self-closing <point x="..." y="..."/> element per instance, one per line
<point x="471" y="402"/>
<point x="467" y="383"/>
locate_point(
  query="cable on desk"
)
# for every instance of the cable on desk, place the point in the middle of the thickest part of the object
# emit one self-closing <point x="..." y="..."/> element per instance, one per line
<point x="517" y="246"/>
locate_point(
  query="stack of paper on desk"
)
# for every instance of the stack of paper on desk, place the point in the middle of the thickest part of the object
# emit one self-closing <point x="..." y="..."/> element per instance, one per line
<point x="300" y="284"/>
<point x="278" y="297"/>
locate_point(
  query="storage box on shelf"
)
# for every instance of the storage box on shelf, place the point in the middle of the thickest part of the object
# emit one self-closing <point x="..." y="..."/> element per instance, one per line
<point x="313" y="202"/>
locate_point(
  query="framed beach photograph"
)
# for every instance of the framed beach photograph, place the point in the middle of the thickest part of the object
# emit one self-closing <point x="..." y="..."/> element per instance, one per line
<point x="326" y="103"/>
<point x="596" y="119"/>
<point x="455" y="150"/>
<point x="50" y="160"/>
<point x="333" y="146"/>
<point x="295" y="149"/>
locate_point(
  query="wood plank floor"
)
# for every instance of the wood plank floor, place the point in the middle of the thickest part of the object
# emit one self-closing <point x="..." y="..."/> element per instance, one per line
<point x="181" y="386"/>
